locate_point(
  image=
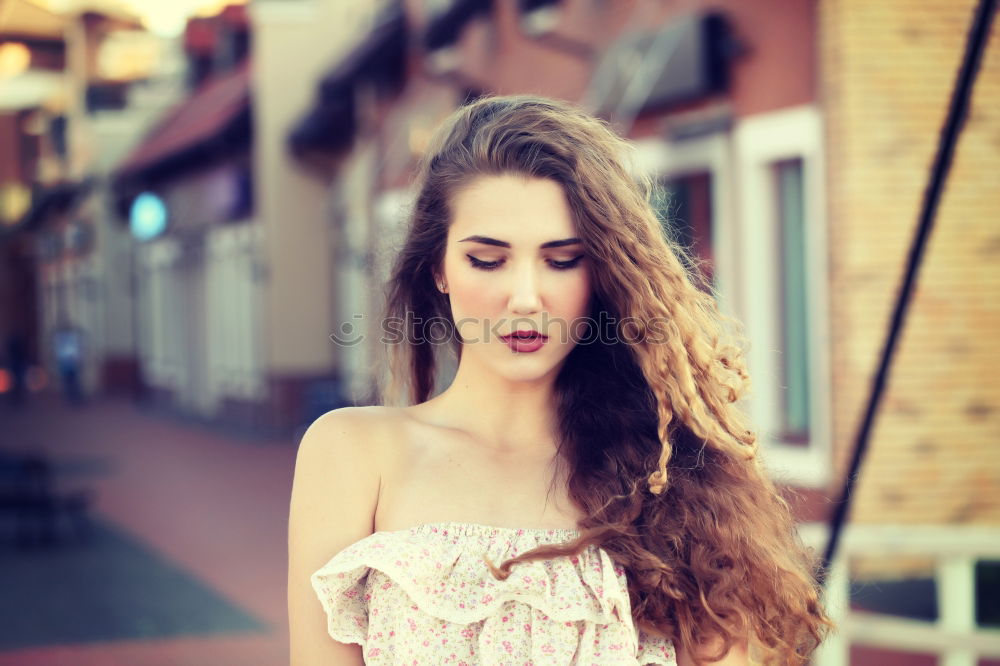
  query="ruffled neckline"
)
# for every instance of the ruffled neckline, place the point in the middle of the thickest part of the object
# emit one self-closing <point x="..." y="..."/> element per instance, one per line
<point x="440" y="569"/>
<point x="435" y="562"/>
<point x="480" y="529"/>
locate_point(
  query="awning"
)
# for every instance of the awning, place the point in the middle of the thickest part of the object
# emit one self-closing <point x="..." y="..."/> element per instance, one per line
<point x="687" y="59"/>
<point x="213" y="119"/>
<point x="327" y="127"/>
<point x="532" y="5"/>
<point x="379" y="58"/>
<point x="446" y="25"/>
<point x="27" y="20"/>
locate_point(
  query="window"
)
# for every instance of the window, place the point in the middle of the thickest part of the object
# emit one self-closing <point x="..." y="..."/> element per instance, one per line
<point x="793" y="322"/>
<point x="782" y="252"/>
<point x="685" y="209"/>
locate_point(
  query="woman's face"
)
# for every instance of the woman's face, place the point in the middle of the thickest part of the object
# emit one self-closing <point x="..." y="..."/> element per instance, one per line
<point x="514" y="262"/>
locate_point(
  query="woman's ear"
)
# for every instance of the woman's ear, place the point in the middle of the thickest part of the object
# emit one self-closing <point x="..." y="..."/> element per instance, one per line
<point x="442" y="285"/>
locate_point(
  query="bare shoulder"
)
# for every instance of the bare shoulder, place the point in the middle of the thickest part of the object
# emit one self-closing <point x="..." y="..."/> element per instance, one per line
<point x="353" y="431"/>
<point x="369" y="420"/>
<point x="335" y="491"/>
<point x="339" y="469"/>
<point x="337" y="476"/>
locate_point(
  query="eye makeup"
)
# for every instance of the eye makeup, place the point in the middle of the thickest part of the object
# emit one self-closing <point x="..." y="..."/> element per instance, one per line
<point x="493" y="265"/>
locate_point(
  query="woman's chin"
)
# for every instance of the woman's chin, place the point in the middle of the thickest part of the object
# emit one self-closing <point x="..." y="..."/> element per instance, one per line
<point x="528" y="370"/>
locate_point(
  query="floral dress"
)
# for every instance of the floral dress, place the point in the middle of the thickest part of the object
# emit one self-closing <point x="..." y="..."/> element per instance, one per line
<point x="425" y="595"/>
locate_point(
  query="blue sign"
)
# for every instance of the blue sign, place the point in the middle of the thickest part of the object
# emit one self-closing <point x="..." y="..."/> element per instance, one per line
<point x="148" y="216"/>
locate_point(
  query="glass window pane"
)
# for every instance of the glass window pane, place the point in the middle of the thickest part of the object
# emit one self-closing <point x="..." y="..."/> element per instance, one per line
<point x="794" y="325"/>
<point x="685" y="209"/>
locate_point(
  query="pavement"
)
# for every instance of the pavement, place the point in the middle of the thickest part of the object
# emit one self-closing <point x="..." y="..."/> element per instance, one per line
<point x="183" y="560"/>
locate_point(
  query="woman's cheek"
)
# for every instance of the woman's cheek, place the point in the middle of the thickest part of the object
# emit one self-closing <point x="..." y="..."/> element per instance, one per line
<point x="574" y="296"/>
<point x="473" y="298"/>
<point x="471" y="312"/>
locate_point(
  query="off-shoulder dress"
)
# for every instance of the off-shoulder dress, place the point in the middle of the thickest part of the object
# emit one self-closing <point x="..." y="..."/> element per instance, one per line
<point x="425" y="595"/>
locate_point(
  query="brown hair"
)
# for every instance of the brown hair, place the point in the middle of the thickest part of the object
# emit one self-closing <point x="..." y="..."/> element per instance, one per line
<point x="657" y="452"/>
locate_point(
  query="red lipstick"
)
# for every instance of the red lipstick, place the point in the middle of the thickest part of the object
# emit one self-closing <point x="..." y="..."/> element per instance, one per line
<point x="525" y="341"/>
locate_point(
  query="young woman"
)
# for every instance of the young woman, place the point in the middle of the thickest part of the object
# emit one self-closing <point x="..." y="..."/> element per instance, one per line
<point x="585" y="490"/>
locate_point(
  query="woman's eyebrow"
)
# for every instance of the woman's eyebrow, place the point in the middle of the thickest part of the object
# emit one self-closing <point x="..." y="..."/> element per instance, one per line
<point x="486" y="240"/>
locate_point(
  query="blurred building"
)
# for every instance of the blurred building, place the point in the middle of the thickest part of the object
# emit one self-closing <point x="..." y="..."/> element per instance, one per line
<point x="295" y="43"/>
<point x="338" y="133"/>
<point x="888" y="74"/>
<point x="32" y="57"/>
<point x="233" y="267"/>
<point x="185" y="191"/>
<point x="64" y="119"/>
<point x="931" y="479"/>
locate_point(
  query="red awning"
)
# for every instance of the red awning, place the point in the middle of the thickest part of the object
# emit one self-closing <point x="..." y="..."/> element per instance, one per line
<point x="197" y="119"/>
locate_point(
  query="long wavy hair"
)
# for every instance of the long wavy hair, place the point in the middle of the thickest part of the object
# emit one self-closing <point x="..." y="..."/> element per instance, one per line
<point x="657" y="453"/>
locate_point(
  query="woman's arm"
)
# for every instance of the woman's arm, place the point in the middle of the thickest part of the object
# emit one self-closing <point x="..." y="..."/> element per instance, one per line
<point x="738" y="655"/>
<point x="334" y="495"/>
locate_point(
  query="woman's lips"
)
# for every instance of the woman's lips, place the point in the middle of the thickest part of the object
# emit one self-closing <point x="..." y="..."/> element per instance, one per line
<point x="525" y="342"/>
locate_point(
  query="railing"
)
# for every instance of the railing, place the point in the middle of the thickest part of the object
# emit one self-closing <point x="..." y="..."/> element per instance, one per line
<point x="954" y="637"/>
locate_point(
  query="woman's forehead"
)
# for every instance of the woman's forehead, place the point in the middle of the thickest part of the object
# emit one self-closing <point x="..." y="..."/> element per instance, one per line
<point x="512" y="208"/>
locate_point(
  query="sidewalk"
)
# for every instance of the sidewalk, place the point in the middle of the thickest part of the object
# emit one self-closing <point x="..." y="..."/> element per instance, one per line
<point x="187" y="565"/>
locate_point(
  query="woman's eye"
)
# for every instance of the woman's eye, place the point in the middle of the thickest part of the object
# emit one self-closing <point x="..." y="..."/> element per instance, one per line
<point x="566" y="265"/>
<point x="493" y="265"/>
<point x="484" y="265"/>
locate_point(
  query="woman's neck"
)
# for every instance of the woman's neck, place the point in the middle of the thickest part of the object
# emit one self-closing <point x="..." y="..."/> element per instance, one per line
<point x="505" y="415"/>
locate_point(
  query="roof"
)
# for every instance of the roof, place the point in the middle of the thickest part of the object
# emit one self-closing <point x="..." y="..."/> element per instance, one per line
<point x="201" y="118"/>
<point x="328" y="126"/>
<point x="25" y="19"/>
<point x="202" y="32"/>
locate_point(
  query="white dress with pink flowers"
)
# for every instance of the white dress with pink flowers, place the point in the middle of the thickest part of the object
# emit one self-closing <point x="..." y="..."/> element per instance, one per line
<point x="425" y="595"/>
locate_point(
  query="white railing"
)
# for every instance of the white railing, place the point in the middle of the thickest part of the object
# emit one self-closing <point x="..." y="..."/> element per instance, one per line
<point x="954" y="637"/>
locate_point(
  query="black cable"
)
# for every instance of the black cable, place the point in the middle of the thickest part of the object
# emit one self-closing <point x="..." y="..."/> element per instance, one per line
<point x="975" y="46"/>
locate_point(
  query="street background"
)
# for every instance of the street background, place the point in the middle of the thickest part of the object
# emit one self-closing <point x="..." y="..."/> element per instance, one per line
<point x="185" y="560"/>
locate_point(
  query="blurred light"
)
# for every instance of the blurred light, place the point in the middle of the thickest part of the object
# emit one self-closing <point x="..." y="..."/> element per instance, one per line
<point x="168" y="17"/>
<point x="36" y="378"/>
<point x="148" y="216"/>
<point x="15" y="198"/>
<point x="214" y="7"/>
<point x="15" y="58"/>
<point x="6" y="381"/>
<point x="125" y="55"/>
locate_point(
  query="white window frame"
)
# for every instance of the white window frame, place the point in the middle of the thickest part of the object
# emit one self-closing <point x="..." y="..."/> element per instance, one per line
<point x="759" y="142"/>
<point x="709" y="153"/>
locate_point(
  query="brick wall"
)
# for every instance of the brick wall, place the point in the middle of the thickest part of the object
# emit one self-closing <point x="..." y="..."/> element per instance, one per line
<point x="887" y="73"/>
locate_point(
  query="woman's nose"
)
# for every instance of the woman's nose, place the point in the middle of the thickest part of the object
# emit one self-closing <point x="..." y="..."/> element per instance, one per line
<point x="524" y="297"/>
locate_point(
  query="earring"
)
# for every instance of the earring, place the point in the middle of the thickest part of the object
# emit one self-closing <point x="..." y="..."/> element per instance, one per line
<point x="442" y="288"/>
